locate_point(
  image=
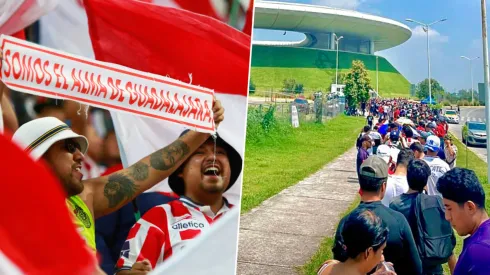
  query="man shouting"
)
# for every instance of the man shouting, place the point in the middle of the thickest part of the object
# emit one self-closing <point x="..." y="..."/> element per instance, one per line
<point x="166" y="229"/>
<point x="52" y="141"/>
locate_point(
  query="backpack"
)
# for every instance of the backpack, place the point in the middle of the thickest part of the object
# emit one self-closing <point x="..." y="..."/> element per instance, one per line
<point x="434" y="235"/>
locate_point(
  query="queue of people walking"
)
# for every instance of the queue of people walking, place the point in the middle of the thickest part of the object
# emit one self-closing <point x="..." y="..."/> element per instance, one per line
<point x="412" y="197"/>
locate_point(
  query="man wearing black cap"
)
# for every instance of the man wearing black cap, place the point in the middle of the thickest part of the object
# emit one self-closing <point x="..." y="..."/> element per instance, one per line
<point x="166" y="229"/>
<point x="400" y="248"/>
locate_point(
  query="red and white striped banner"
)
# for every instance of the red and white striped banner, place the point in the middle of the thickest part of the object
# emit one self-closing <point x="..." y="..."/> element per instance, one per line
<point x="41" y="71"/>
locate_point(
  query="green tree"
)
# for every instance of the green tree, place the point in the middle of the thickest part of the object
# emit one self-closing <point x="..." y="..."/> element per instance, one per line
<point x="423" y="89"/>
<point x="357" y="84"/>
<point x="288" y="85"/>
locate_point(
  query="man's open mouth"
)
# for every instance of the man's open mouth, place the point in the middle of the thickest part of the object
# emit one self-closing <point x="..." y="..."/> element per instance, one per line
<point x="212" y="171"/>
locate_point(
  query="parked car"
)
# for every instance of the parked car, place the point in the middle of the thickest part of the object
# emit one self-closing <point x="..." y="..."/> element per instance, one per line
<point x="475" y="133"/>
<point x="451" y="116"/>
<point x="302" y="105"/>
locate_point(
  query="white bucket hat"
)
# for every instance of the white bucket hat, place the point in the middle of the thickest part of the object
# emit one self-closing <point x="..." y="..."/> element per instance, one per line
<point x="36" y="136"/>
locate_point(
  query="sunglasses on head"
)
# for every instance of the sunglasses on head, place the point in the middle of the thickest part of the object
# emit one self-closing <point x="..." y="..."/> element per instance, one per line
<point x="71" y="146"/>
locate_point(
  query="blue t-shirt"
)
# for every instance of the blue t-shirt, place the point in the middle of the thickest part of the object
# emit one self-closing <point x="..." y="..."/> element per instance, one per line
<point x="475" y="257"/>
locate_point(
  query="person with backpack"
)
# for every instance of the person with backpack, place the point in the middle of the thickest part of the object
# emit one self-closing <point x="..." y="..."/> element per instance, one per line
<point x="433" y="234"/>
<point x="464" y="200"/>
<point x="400" y="249"/>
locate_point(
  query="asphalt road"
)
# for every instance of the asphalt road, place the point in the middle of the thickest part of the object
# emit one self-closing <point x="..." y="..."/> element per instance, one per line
<point x="470" y="114"/>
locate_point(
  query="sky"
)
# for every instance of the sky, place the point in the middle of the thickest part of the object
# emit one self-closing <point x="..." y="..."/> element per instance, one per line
<point x="449" y="40"/>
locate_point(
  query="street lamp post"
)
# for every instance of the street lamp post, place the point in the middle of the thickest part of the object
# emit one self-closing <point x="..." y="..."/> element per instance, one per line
<point x="486" y="74"/>
<point x="425" y="27"/>
<point x="471" y="73"/>
<point x="337" y="39"/>
<point x="377" y="80"/>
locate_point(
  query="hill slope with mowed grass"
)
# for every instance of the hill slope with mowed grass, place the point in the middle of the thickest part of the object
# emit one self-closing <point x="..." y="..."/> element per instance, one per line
<point x="315" y="69"/>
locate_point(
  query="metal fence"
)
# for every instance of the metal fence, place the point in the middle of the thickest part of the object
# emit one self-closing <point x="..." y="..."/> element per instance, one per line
<point x="319" y="110"/>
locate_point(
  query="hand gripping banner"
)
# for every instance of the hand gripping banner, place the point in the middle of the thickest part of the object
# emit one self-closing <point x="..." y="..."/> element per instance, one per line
<point x="41" y="71"/>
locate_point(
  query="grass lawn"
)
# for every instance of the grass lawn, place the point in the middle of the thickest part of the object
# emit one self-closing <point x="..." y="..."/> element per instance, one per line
<point x="314" y="79"/>
<point x="283" y="158"/>
<point x="474" y="163"/>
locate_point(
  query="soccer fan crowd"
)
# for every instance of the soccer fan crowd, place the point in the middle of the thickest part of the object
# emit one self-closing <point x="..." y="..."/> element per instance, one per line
<point x="412" y="196"/>
<point x="129" y="231"/>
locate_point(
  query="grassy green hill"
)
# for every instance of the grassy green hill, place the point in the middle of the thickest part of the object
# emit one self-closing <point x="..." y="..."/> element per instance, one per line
<point x="315" y="69"/>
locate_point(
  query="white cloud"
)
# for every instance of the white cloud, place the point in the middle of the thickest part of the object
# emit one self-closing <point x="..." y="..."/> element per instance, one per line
<point x="344" y="4"/>
<point x="434" y="35"/>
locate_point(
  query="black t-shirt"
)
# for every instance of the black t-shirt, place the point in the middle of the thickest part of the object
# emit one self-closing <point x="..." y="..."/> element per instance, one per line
<point x="400" y="248"/>
<point x="370" y="119"/>
<point x="403" y="204"/>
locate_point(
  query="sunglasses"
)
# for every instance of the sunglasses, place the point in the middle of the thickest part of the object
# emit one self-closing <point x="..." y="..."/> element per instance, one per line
<point x="71" y="146"/>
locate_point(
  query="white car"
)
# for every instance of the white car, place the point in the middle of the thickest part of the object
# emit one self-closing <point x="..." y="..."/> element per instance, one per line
<point x="452" y="116"/>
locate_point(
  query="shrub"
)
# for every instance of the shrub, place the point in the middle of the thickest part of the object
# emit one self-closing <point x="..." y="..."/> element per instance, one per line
<point x="251" y="87"/>
<point x="446" y="103"/>
<point x="298" y="88"/>
<point x="288" y="85"/>
<point x="263" y="124"/>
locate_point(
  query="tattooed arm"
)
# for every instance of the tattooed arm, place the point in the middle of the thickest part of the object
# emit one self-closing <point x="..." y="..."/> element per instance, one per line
<point x="109" y="193"/>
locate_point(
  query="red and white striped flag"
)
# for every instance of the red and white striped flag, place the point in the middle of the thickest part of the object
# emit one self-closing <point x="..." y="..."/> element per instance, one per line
<point x="15" y="15"/>
<point x="35" y="221"/>
<point x="176" y="43"/>
<point x="69" y="21"/>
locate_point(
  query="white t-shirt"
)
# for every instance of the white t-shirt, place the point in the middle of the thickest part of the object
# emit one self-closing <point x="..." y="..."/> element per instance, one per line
<point x="438" y="168"/>
<point x="395" y="186"/>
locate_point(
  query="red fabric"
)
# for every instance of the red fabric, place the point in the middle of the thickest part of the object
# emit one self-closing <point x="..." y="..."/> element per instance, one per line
<point x="200" y="7"/>
<point x="206" y="8"/>
<point x="397" y="114"/>
<point x="440" y="131"/>
<point x="35" y="219"/>
<point x="112" y="169"/>
<point x="20" y="34"/>
<point x="171" y="42"/>
<point x="249" y="20"/>
<point x="11" y="23"/>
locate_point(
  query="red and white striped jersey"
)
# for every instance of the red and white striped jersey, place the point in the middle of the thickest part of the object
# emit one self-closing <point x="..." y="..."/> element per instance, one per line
<point x="165" y="230"/>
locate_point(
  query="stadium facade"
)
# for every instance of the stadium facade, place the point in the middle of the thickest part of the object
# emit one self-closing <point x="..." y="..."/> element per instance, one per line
<point x="363" y="35"/>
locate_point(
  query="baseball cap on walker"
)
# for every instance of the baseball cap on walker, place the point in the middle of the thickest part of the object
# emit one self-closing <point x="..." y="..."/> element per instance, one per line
<point x="36" y="136"/>
<point x="433" y="143"/>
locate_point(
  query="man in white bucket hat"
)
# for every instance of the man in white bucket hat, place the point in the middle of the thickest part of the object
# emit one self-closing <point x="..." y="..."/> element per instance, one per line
<point x="63" y="151"/>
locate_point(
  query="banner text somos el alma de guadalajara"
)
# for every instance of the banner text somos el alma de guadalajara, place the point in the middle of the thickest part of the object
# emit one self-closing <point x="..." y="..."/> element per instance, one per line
<point x="41" y="71"/>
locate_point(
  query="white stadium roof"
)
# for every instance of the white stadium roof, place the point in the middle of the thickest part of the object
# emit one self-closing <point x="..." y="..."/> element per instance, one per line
<point x="319" y="22"/>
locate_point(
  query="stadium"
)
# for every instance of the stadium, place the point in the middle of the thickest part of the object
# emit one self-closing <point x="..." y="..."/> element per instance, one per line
<point x="312" y="61"/>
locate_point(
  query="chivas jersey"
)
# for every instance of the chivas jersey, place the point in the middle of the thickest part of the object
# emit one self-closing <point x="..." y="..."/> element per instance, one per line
<point x="165" y="230"/>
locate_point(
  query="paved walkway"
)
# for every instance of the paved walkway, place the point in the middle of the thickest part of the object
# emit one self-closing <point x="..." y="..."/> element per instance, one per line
<point x="287" y="229"/>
